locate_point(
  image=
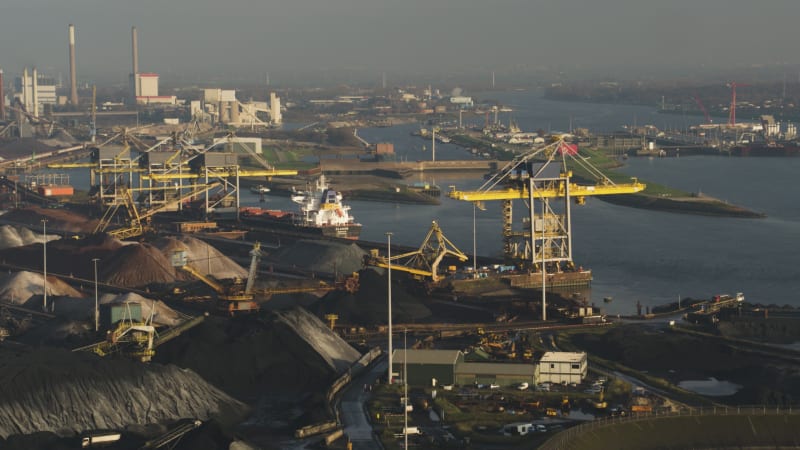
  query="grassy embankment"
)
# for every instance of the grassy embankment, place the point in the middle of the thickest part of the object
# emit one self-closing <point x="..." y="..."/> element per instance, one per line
<point x="656" y="196"/>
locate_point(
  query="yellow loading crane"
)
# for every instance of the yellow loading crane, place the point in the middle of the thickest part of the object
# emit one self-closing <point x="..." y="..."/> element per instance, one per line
<point x="137" y="222"/>
<point x="235" y="297"/>
<point x="424" y="262"/>
<point x="540" y="176"/>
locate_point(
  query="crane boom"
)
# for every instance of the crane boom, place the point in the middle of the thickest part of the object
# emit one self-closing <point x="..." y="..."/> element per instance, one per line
<point x="423" y="262"/>
<point x="546" y="238"/>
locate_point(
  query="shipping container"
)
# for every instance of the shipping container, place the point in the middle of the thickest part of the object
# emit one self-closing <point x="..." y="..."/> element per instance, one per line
<point x="51" y="190"/>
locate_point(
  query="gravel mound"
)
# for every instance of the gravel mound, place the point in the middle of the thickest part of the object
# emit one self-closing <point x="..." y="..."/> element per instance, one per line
<point x="137" y="265"/>
<point x="162" y="314"/>
<point x="17" y="236"/>
<point x="19" y="287"/>
<point x="370" y="305"/>
<point x="64" y="392"/>
<point x="288" y="352"/>
<point x="320" y="256"/>
<point x="202" y="257"/>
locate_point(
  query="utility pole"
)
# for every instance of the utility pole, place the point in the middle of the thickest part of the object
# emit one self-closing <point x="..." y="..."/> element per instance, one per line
<point x="389" y="294"/>
<point x="96" y="309"/>
<point x="44" y="263"/>
<point x="405" y="389"/>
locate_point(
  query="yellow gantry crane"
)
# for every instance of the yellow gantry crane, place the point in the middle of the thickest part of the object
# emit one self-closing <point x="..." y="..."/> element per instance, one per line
<point x="162" y="175"/>
<point x="540" y="176"/>
<point x="424" y="262"/>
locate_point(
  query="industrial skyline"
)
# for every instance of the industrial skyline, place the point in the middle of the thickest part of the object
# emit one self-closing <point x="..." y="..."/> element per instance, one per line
<point x="361" y="39"/>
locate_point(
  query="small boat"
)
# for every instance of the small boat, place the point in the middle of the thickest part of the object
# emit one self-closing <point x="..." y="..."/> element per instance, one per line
<point x="259" y="189"/>
<point x="608" y="299"/>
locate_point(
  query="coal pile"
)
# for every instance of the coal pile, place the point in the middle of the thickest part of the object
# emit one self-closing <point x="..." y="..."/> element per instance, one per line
<point x="319" y="256"/>
<point x="287" y="352"/>
<point x="64" y="392"/>
<point x="57" y="219"/>
<point x="65" y="256"/>
<point x="126" y="264"/>
<point x="369" y="305"/>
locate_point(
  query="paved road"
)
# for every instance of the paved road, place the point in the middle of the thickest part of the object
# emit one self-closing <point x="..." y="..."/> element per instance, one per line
<point x="357" y="426"/>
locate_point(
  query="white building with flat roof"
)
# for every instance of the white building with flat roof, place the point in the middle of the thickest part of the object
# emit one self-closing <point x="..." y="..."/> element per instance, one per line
<point x="563" y="367"/>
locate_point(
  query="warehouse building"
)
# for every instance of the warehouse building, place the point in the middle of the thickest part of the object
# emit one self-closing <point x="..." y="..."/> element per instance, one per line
<point x="449" y="367"/>
<point x="563" y="367"/>
<point x="426" y="365"/>
<point x="502" y="374"/>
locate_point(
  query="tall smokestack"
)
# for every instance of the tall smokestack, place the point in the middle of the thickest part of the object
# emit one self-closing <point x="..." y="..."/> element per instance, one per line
<point x="135" y="50"/>
<point x="2" y="98"/>
<point x="35" y="93"/>
<point x="72" y="67"/>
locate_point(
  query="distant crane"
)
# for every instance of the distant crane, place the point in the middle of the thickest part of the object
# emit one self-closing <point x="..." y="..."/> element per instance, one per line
<point x="702" y="108"/>
<point x="732" y="114"/>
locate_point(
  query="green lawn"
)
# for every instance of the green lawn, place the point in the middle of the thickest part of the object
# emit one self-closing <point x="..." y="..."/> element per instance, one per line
<point x="768" y="431"/>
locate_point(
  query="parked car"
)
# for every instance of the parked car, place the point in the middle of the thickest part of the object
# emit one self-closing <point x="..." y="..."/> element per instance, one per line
<point x="494" y="386"/>
<point x="522" y="386"/>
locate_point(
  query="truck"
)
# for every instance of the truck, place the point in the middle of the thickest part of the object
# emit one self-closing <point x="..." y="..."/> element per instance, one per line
<point x="100" y="438"/>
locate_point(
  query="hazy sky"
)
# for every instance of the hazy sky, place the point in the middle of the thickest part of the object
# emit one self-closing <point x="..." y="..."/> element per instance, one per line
<point x="245" y="39"/>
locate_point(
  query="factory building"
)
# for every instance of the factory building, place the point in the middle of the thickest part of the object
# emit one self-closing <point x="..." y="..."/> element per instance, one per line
<point x="223" y="105"/>
<point x="563" y="367"/>
<point x="424" y="366"/>
<point x="34" y="91"/>
<point x="502" y="374"/>
<point x="146" y="90"/>
<point x="449" y="367"/>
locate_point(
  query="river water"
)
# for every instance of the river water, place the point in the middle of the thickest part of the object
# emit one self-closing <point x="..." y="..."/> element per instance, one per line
<point x="636" y="255"/>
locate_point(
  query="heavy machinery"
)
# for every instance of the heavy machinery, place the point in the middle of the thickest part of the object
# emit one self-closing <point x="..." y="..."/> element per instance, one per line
<point x="131" y="338"/>
<point x="136" y="223"/>
<point x="423" y="262"/>
<point x="541" y="175"/>
<point x="235" y="296"/>
<point x="154" y="176"/>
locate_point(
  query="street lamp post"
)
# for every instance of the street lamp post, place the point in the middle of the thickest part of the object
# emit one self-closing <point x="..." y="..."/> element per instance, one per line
<point x="405" y="389"/>
<point x="96" y="312"/>
<point x="474" y="243"/>
<point x="389" y="296"/>
<point x="44" y="262"/>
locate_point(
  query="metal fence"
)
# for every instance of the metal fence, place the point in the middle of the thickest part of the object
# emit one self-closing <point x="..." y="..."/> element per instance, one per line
<point x="564" y="439"/>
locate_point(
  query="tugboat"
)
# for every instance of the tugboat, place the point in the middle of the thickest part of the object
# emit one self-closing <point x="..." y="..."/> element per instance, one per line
<point x="259" y="189"/>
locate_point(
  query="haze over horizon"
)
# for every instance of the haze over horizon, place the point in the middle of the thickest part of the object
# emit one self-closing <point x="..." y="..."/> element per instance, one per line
<point x="246" y="39"/>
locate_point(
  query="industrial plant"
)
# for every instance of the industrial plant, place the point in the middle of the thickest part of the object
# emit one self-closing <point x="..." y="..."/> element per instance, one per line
<point x="237" y="264"/>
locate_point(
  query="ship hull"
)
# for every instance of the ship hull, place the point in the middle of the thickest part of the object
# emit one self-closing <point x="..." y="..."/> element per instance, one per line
<point x="286" y="223"/>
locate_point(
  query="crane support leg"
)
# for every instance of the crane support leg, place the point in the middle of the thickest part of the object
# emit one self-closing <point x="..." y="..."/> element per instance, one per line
<point x="508" y="217"/>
